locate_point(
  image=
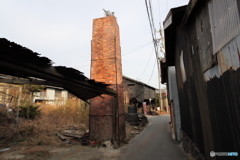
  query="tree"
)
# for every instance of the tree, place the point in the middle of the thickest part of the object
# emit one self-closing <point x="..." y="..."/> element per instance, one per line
<point x="31" y="89"/>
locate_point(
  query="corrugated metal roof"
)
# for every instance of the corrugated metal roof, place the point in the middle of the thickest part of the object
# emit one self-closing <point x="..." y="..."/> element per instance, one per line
<point x="23" y="54"/>
<point x="19" y="61"/>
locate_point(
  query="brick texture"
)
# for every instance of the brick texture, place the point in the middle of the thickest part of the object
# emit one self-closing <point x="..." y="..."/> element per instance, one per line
<point x="106" y="66"/>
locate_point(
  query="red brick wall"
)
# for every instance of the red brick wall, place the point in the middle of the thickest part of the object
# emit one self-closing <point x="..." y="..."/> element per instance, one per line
<point x="106" y="66"/>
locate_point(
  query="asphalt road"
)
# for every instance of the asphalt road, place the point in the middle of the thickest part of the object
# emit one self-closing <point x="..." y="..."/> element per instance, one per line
<point x="153" y="143"/>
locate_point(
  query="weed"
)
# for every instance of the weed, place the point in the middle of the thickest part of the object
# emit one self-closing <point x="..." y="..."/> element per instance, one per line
<point x="41" y="129"/>
<point x="29" y="111"/>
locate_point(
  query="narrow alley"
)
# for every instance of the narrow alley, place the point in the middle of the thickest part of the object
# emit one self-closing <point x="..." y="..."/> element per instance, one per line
<point x="154" y="143"/>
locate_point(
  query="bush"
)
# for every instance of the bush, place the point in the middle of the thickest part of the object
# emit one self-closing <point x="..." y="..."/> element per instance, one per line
<point x="29" y="111"/>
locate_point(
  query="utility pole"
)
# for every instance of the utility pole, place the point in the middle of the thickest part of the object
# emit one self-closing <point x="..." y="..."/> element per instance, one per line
<point x="153" y="31"/>
<point x="159" y="73"/>
<point x="159" y="81"/>
<point x="162" y="49"/>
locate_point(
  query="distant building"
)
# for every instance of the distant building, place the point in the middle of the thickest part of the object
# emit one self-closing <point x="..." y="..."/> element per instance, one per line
<point x="9" y="94"/>
<point x="138" y="90"/>
<point x="51" y="95"/>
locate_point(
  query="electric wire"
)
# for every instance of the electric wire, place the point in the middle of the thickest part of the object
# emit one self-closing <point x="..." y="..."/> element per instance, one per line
<point x="152" y="71"/>
<point x="150" y="20"/>
<point x="137" y="49"/>
<point x="151" y="12"/>
<point x="66" y="63"/>
<point x="147" y="63"/>
<point x="123" y="55"/>
<point x="151" y="23"/>
<point x="128" y="50"/>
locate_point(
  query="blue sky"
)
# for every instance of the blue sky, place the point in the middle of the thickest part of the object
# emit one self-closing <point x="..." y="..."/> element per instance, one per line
<point x="62" y="31"/>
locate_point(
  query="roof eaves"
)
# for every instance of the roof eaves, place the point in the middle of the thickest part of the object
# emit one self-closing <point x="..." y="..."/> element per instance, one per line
<point x="190" y="7"/>
<point x="144" y="84"/>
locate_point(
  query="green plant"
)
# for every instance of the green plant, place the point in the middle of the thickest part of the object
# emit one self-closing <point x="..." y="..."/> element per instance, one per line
<point x="29" y="111"/>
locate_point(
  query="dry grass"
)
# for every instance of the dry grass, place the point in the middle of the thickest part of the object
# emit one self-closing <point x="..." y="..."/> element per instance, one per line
<point x="41" y="130"/>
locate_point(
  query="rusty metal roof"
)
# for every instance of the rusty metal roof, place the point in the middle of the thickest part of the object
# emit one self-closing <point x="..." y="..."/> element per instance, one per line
<point x="19" y="61"/>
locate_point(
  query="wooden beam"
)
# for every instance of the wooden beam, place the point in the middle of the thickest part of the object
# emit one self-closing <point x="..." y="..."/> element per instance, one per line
<point x="51" y="74"/>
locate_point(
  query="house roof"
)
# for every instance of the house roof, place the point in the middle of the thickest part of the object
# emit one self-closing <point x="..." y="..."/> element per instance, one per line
<point x="176" y="17"/>
<point x="173" y="19"/>
<point x="135" y="81"/>
<point x="19" y="61"/>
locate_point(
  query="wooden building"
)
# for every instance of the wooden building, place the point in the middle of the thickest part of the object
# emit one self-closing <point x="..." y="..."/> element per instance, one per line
<point x="139" y="90"/>
<point x="202" y="47"/>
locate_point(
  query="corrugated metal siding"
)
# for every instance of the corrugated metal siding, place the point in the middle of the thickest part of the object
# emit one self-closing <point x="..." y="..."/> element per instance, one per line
<point x="229" y="56"/>
<point x="225" y="22"/>
<point x="209" y="101"/>
<point x="190" y="103"/>
<point x="228" y="59"/>
<point x="198" y="122"/>
<point x="224" y="99"/>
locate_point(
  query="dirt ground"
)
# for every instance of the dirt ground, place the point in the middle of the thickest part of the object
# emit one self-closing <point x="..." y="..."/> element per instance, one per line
<point x="43" y="152"/>
<point x="51" y="152"/>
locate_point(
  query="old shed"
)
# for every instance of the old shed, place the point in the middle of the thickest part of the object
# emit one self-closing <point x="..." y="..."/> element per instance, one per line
<point x="202" y="44"/>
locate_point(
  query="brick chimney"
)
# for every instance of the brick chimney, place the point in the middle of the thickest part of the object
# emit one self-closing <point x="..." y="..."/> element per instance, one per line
<point x="107" y="115"/>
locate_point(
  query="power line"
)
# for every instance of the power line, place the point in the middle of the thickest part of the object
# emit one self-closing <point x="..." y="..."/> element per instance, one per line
<point x="151" y="23"/>
<point x="137" y="48"/>
<point x="66" y="63"/>
<point x="147" y="63"/>
<point x="152" y="71"/>
<point x="151" y="12"/>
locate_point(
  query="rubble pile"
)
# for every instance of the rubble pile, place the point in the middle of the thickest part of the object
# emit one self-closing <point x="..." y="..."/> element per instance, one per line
<point x="75" y="136"/>
<point x="134" y="129"/>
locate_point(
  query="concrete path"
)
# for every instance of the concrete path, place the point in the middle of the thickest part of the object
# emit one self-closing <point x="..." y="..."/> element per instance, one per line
<point x="153" y="143"/>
